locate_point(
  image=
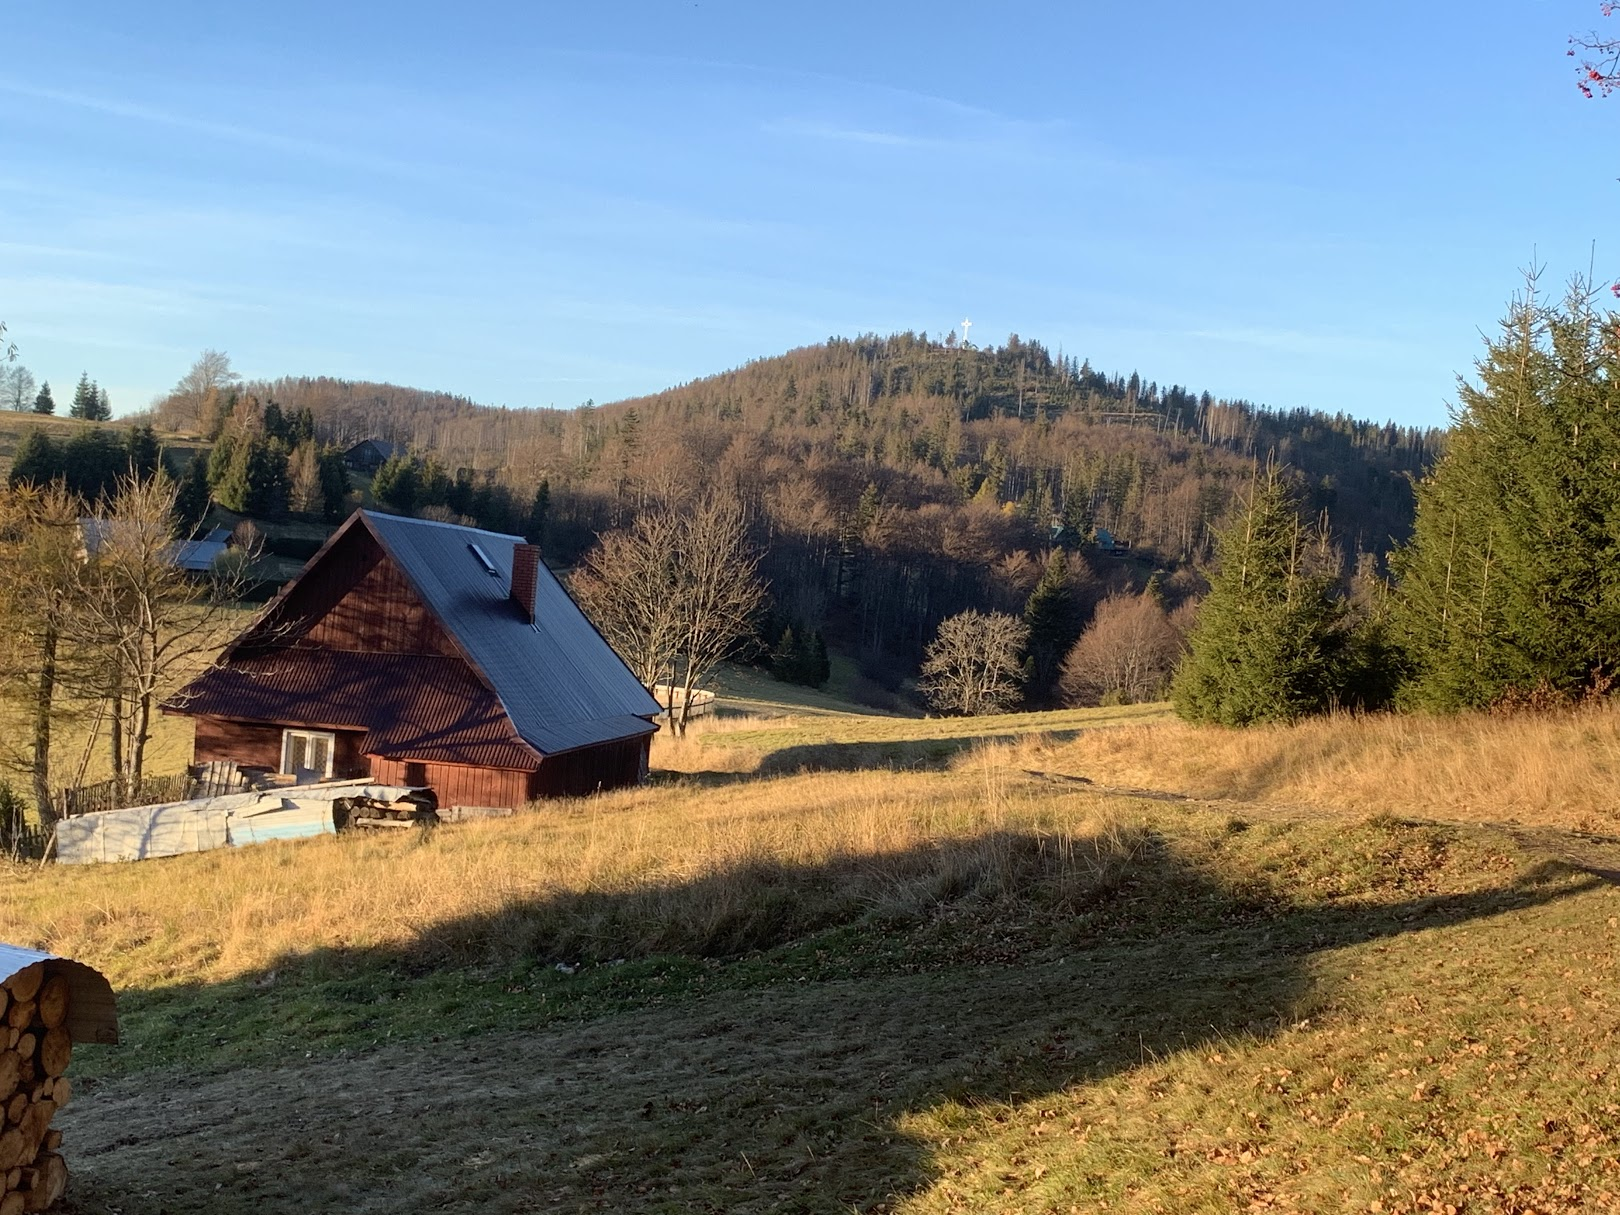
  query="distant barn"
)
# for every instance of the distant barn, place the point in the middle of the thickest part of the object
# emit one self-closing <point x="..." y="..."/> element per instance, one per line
<point x="423" y="653"/>
<point x="369" y="455"/>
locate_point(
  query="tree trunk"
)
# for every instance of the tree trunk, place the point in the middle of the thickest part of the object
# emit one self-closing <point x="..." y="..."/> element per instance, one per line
<point x="115" y="700"/>
<point x="44" y="694"/>
<point x="140" y="730"/>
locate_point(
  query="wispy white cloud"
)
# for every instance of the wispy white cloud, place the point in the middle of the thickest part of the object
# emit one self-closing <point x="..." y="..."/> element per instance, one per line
<point x="231" y="132"/>
<point x="839" y="134"/>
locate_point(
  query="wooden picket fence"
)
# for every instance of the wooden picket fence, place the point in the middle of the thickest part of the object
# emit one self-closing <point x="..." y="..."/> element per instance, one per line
<point x="29" y="843"/>
<point x="103" y="795"/>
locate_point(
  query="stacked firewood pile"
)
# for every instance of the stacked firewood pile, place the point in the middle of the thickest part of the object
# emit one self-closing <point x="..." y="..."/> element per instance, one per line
<point x="414" y="809"/>
<point x="33" y="1086"/>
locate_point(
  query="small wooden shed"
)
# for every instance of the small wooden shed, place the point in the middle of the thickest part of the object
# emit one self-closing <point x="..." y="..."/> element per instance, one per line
<point x="369" y="455"/>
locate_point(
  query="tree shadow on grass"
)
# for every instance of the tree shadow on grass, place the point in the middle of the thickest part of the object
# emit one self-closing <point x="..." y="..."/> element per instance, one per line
<point x="759" y="1050"/>
<point x="907" y="753"/>
<point x="895" y="755"/>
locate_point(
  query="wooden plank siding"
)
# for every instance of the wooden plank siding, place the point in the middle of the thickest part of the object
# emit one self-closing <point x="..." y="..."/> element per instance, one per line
<point x="254" y="745"/>
<point x="356" y="598"/>
<point x="382" y="614"/>
<point x="613" y="765"/>
<point x="456" y="784"/>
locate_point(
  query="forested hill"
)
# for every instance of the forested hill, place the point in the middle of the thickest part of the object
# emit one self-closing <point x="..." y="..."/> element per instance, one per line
<point x="897" y="480"/>
<point x="1059" y="438"/>
<point x="935" y="422"/>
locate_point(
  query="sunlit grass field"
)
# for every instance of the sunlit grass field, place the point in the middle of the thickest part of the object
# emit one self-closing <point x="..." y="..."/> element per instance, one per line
<point x="966" y="976"/>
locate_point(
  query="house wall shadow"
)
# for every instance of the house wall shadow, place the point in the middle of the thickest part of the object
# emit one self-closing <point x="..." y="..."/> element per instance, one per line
<point x="808" y="1082"/>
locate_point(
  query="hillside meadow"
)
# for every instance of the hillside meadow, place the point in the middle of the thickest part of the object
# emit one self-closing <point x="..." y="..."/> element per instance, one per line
<point x="904" y="969"/>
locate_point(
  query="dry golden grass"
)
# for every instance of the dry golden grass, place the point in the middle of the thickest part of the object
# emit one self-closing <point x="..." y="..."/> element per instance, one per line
<point x="964" y="987"/>
<point x="787" y="743"/>
<point x="695" y="870"/>
<point x="1285" y="1014"/>
<point x="1558" y="770"/>
<point x="80" y="738"/>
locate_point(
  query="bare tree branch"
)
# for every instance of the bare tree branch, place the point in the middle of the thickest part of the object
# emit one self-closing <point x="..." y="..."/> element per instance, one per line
<point x="974" y="664"/>
<point x="674" y="594"/>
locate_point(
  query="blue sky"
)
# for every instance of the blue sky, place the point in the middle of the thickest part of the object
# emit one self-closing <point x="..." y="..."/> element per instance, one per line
<point x="538" y="204"/>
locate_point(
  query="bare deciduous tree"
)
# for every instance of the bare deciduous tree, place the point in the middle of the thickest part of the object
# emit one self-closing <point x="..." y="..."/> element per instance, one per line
<point x="150" y="622"/>
<point x="974" y="664"/>
<point x="17" y="388"/>
<point x="1126" y="655"/>
<point x="623" y="585"/>
<point x="200" y="390"/>
<point x="675" y="593"/>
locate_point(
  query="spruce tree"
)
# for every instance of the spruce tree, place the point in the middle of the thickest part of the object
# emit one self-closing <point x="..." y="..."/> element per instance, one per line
<point x="398" y="484"/>
<point x="192" y="497"/>
<point x="1511" y="581"/>
<point x="1268" y="644"/>
<point x="1053" y="618"/>
<point x="818" y="666"/>
<point x="36" y="461"/>
<point x="539" y="510"/>
<point x="103" y="406"/>
<point x="44" y="403"/>
<point x="787" y="659"/>
<point x="334" y="483"/>
<point x="255" y="479"/>
<point x="86" y="401"/>
<point x="145" y="453"/>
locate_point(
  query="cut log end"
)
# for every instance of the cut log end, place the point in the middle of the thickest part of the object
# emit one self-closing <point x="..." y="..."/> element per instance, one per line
<point x="50" y="1185"/>
<point x="55" y="1052"/>
<point x="53" y="1002"/>
<point x="25" y="984"/>
<point x="35" y="1049"/>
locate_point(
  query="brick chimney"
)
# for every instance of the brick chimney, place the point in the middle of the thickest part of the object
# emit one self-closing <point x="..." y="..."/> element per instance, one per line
<point x="525" y="576"/>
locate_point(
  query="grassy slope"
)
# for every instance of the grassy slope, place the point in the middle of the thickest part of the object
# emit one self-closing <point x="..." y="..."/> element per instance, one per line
<point x="14" y="425"/>
<point x="974" y="985"/>
<point x="804" y="733"/>
<point x="1559" y="770"/>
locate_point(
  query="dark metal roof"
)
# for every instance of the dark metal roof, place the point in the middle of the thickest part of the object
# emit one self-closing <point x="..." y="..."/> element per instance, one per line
<point x="382" y="447"/>
<point x="195" y="556"/>
<point x="199" y="556"/>
<point x="554" y="685"/>
<point x="411" y="706"/>
<point x="562" y="685"/>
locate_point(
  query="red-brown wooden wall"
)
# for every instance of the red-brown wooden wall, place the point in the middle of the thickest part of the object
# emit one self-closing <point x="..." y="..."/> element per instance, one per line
<point x="254" y="745"/>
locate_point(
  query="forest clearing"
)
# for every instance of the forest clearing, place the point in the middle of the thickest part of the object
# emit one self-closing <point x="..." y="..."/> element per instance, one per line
<point x="902" y="969"/>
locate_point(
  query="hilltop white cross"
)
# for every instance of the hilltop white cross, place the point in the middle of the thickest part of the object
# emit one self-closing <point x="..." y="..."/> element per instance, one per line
<point x="966" y="325"/>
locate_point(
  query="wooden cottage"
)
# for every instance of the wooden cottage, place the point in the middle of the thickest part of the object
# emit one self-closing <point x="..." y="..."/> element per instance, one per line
<point x="423" y="653"/>
<point x="368" y="455"/>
